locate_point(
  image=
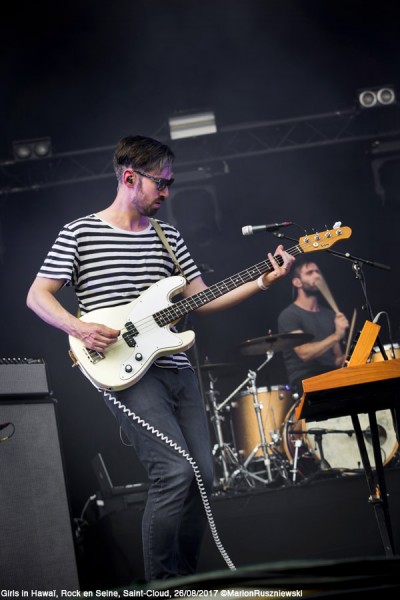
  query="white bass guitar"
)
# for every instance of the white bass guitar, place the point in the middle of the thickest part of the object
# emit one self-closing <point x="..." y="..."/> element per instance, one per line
<point x="145" y="323"/>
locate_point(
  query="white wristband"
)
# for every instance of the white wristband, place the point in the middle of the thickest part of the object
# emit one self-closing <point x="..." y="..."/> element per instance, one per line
<point x="261" y="284"/>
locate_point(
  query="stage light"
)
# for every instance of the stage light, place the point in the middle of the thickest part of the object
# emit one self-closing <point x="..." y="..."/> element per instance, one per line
<point x="386" y="96"/>
<point x="32" y="149"/>
<point x="367" y="99"/>
<point x="379" y="96"/>
<point x="185" y="126"/>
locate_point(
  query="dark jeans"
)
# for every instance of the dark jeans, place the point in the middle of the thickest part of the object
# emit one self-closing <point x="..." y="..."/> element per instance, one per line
<point x="174" y="519"/>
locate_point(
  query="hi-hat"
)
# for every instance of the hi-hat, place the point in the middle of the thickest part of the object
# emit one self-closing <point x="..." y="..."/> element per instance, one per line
<point x="274" y="343"/>
<point x="220" y="368"/>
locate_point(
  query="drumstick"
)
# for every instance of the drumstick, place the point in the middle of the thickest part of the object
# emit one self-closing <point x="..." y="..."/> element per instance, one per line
<point x="326" y="292"/>
<point x="350" y="337"/>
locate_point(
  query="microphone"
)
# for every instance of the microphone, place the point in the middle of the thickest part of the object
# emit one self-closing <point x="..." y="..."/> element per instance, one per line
<point x="250" y="229"/>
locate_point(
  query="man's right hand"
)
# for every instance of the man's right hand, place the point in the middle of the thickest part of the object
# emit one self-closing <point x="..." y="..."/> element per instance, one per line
<point x="96" y="336"/>
<point x="341" y="324"/>
<point x="41" y="299"/>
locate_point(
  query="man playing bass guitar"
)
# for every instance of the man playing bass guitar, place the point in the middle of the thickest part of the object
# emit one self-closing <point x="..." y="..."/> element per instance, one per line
<point x="111" y="258"/>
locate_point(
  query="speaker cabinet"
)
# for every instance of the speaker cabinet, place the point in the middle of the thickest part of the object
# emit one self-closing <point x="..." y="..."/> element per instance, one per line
<point x="37" y="550"/>
<point x="25" y="377"/>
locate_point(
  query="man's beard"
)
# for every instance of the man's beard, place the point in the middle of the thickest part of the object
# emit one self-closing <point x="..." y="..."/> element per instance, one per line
<point x="150" y="211"/>
<point x="310" y="290"/>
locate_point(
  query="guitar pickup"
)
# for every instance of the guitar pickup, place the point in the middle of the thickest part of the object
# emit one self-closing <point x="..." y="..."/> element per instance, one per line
<point x="130" y="333"/>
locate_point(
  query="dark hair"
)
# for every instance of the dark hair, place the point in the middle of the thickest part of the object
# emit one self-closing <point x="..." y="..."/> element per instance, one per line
<point x="140" y="152"/>
<point x="299" y="264"/>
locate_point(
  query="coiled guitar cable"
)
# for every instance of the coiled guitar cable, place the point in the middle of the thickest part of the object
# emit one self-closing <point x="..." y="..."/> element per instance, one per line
<point x="203" y="494"/>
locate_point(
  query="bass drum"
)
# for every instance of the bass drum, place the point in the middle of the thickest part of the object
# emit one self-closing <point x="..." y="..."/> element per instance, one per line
<point x="392" y="351"/>
<point x="339" y="442"/>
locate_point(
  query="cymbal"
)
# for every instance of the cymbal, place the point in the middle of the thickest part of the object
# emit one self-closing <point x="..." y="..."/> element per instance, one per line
<point x="274" y="343"/>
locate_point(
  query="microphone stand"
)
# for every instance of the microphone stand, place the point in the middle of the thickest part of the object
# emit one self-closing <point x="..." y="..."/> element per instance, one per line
<point x="357" y="266"/>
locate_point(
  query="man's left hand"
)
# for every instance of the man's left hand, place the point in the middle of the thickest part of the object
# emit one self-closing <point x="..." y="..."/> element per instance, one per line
<point x="278" y="271"/>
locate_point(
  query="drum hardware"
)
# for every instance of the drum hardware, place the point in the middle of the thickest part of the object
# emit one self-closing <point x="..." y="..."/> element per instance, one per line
<point x="243" y="469"/>
<point x="267" y="446"/>
<point x="317" y="431"/>
<point x="221" y="451"/>
<point x="266" y="345"/>
<point x="245" y="382"/>
<point x="279" y="461"/>
<point x="217" y="419"/>
<point x="297" y="445"/>
<point x="263" y="442"/>
<point x="342" y="453"/>
<point x="381" y="433"/>
<point x="228" y="457"/>
<point x="323" y="464"/>
<point x="276" y="436"/>
<point x="318" y="434"/>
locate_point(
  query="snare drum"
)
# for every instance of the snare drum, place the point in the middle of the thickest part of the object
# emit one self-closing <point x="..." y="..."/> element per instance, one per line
<point x="339" y="442"/>
<point x="392" y="351"/>
<point x="274" y="401"/>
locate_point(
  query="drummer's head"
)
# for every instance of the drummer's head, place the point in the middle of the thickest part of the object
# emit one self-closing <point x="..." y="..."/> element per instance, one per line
<point x="304" y="274"/>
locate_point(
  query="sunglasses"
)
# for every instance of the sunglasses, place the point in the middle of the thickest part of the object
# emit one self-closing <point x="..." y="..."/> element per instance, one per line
<point x="160" y="182"/>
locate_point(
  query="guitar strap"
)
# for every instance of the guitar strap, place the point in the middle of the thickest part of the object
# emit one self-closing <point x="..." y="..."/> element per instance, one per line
<point x="165" y="242"/>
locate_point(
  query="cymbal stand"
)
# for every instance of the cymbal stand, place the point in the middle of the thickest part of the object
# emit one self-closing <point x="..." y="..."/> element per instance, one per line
<point x="216" y="420"/>
<point x="263" y="445"/>
<point x="242" y="469"/>
<point x="245" y="382"/>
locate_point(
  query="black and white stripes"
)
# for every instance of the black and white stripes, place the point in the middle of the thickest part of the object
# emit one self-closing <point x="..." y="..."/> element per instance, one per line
<point x="109" y="266"/>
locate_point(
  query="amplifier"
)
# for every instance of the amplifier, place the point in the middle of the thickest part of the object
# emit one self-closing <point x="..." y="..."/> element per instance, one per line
<point x="24" y="377"/>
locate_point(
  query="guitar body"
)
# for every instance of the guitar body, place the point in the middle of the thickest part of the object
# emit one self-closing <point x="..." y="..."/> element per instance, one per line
<point x="122" y="365"/>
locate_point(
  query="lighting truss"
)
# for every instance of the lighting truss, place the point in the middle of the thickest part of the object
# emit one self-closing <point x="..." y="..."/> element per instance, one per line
<point x="230" y="143"/>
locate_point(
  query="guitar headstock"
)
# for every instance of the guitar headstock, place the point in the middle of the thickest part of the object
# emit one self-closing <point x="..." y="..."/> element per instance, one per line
<point x="324" y="239"/>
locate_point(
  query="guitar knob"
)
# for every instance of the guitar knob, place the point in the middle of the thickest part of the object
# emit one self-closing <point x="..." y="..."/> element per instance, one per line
<point x="128" y="368"/>
<point x="138" y="356"/>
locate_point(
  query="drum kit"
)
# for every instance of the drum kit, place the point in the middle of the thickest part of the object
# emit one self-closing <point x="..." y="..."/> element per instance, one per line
<point x="259" y="441"/>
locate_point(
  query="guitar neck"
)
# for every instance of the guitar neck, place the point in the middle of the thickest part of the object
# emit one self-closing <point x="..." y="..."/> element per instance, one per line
<point x="183" y="307"/>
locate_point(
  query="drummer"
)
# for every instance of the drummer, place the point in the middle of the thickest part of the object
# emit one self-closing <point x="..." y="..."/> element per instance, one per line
<point x="305" y="315"/>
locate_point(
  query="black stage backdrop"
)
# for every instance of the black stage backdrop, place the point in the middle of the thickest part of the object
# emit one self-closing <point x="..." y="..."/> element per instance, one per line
<point x="87" y="73"/>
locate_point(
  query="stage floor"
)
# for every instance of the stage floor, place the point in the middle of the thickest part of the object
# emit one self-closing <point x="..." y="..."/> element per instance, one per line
<point x="328" y="517"/>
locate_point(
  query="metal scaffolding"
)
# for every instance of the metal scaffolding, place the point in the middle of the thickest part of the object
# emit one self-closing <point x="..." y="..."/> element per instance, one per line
<point x="206" y="156"/>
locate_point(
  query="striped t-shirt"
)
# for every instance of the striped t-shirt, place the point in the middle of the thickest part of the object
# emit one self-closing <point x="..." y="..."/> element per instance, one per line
<point x="109" y="266"/>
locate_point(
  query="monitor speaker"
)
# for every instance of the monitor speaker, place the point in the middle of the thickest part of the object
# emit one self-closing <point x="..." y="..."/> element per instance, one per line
<point x="37" y="549"/>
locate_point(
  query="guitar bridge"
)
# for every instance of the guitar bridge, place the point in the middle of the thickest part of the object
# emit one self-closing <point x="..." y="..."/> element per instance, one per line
<point x="93" y="355"/>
